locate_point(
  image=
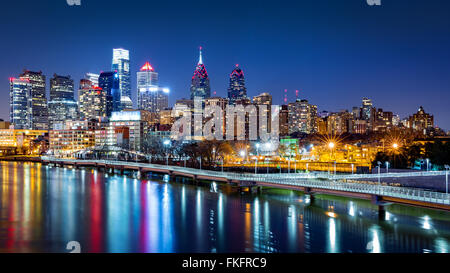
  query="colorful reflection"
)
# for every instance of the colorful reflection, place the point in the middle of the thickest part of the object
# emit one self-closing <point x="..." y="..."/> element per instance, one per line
<point x="43" y="208"/>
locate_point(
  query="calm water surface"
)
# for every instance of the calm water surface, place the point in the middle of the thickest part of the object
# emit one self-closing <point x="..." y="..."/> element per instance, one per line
<point x="43" y="208"/>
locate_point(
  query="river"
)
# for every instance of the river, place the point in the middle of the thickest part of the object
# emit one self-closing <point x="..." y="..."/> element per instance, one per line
<point x="44" y="208"/>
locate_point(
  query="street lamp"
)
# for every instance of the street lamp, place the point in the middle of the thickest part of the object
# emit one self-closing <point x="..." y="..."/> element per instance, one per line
<point x="353" y="168"/>
<point x="379" y="176"/>
<point x="257" y="145"/>
<point x="428" y="163"/>
<point x="395" y="146"/>
<point x="167" y="144"/>
<point x="331" y="145"/>
<point x="387" y="167"/>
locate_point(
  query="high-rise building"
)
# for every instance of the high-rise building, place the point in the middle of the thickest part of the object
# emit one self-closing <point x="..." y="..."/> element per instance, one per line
<point x="121" y="65"/>
<point x="151" y="97"/>
<point x="368" y="112"/>
<point x="263" y="102"/>
<point x="340" y="123"/>
<point x="383" y="120"/>
<point x="94" y="78"/>
<point x="137" y="123"/>
<point x="284" y="120"/>
<point x="92" y="101"/>
<point x="421" y="121"/>
<point x="59" y="111"/>
<point x="109" y="82"/>
<point x="62" y="105"/>
<point x="302" y="117"/>
<point x="200" y="86"/>
<point x="20" y="103"/>
<point x="61" y="87"/>
<point x="237" y="89"/>
<point x="263" y="99"/>
<point x="38" y="99"/>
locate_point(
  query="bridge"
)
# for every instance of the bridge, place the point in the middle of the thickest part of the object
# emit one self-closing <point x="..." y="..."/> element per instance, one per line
<point x="310" y="183"/>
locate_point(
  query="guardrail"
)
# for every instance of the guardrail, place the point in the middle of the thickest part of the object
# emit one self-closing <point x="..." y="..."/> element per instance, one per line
<point x="312" y="180"/>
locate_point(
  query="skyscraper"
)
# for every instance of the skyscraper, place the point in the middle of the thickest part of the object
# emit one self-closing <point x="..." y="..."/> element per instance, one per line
<point x="92" y="101"/>
<point x="38" y="99"/>
<point x="302" y="117"/>
<point x="20" y="103"/>
<point x="121" y="64"/>
<point x="93" y="78"/>
<point x="151" y="97"/>
<point x="200" y="86"/>
<point x="237" y="89"/>
<point x="62" y="105"/>
<point x="109" y="82"/>
<point x="61" y="87"/>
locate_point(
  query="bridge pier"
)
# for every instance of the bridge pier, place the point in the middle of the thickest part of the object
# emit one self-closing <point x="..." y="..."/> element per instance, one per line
<point x="308" y="191"/>
<point x="378" y="200"/>
<point x="381" y="213"/>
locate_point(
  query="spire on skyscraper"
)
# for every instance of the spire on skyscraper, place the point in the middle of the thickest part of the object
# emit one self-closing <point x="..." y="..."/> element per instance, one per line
<point x="200" y="60"/>
<point x="200" y="81"/>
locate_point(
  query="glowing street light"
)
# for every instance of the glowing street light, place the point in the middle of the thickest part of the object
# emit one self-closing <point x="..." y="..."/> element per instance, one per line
<point x="331" y="145"/>
<point x="167" y="144"/>
<point x="379" y="176"/>
<point x="395" y="145"/>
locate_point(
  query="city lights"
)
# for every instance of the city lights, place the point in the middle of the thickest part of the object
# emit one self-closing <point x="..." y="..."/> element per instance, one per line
<point x="263" y="141"/>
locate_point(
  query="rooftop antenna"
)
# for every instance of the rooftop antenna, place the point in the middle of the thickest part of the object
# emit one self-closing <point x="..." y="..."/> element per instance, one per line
<point x="200" y="60"/>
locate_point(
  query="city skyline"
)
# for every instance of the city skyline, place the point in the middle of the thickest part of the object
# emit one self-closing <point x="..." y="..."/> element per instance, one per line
<point x="189" y="127"/>
<point x="307" y="63"/>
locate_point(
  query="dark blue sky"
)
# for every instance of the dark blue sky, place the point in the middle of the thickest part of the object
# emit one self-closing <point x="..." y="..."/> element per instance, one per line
<point x="334" y="52"/>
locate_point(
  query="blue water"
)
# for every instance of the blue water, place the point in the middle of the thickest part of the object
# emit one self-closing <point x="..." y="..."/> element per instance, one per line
<point x="43" y="208"/>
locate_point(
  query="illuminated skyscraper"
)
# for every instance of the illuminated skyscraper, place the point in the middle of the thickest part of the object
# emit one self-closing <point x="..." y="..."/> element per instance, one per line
<point x="121" y="64"/>
<point x="302" y="117"/>
<point x="92" y="101"/>
<point x="20" y="103"/>
<point x="61" y="87"/>
<point x="62" y="105"/>
<point x="151" y="97"/>
<point x="109" y="82"/>
<point x="93" y="78"/>
<point x="38" y="99"/>
<point x="200" y="86"/>
<point x="421" y="121"/>
<point x="237" y="90"/>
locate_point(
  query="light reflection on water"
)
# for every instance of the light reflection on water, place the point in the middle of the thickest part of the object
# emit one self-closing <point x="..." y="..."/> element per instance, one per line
<point x="42" y="208"/>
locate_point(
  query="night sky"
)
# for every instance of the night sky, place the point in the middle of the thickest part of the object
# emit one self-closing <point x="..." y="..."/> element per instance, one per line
<point x="334" y="51"/>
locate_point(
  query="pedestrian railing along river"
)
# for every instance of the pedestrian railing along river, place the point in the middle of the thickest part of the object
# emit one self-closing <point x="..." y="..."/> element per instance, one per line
<point x="312" y="180"/>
